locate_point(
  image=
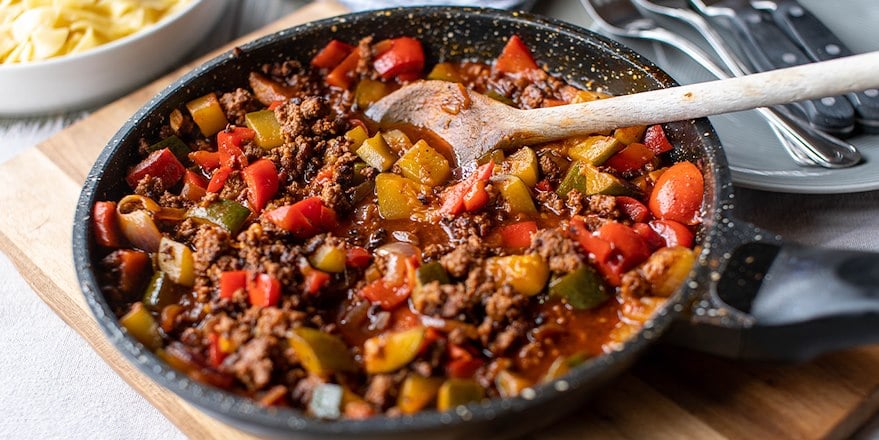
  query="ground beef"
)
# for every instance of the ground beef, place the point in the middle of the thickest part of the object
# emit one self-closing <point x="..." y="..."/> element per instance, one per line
<point x="251" y="363"/>
<point x="238" y="103"/>
<point x="151" y="187"/>
<point x="531" y="97"/>
<point x="550" y="168"/>
<point x="554" y="246"/>
<point x="210" y="243"/>
<point x="469" y="254"/>
<point x="633" y="284"/>
<point x="379" y="390"/>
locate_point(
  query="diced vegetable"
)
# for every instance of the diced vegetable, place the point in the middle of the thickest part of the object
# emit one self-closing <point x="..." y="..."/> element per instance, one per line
<point x="463" y="365"/>
<point x="595" y="150"/>
<point x="655" y="140"/>
<point x="261" y="178"/>
<point x="386" y="294"/>
<point x="631" y="158"/>
<point x="678" y="193"/>
<point x="671" y="268"/>
<point x="229" y="144"/>
<point x="390" y="351"/>
<point x="357" y="257"/>
<point x="397" y="140"/>
<point x="160" y="292"/>
<point x="369" y="91"/>
<point x="268" y="130"/>
<point x="136" y="222"/>
<point x="218" y="179"/>
<point x="268" y="91"/>
<point x="588" y="95"/>
<point x="527" y="274"/>
<point x="326" y="401"/>
<point x="510" y="384"/>
<point x="321" y="353"/>
<point x="626" y="242"/>
<point x="328" y="258"/>
<point x="178" y="147"/>
<point x="430" y="272"/>
<point x="343" y="74"/>
<point x="588" y="181"/>
<point x="628" y="135"/>
<point x="161" y="164"/>
<point x="194" y="186"/>
<point x="226" y="214"/>
<point x="105" y="225"/>
<point x="455" y="392"/>
<point x="515" y="57"/>
<point x="305" y="218"/>
<point x="141" y="325"/>
<point x="133" y="268"/>
<point x="445" y="72"/>
<point x="518" y="235"/>
<point x="207" y="114"/>
<point x="375" y="152"/>
<point x="314" y="281"/>
<point x="231" y="282"/>
<point x="216" y="355"/>
<point x="515" y="193"/>
<point x="654" y="241"/>
<point x="175" y="260"/>
<point x="417" y="392"/>
<point x="583" y="288"/>
<point x="398" y="197"/>
<point x="425" y="165"/>
<point x="523" y="164"/>
<point x="331" y="55"/>
<point x="673" y="233"/>
<point x="468" y="194"/>
<point x="264" y="291"/>
<point x="356" y="135"/>
<point x="404" y="56"/>
<point x="494" y="155"/>
<point x="207" y="160"/>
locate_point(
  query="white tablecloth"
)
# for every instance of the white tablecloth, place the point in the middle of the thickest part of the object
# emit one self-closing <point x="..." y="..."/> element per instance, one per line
<point x="54" y="386"/>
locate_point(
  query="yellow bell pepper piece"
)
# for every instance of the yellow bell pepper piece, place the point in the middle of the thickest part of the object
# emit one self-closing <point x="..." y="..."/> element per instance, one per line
<point x="267" y="128"/>
<point x="527" y="274"/>
<point x="207" y="114"/>
<point x="629" y="135"/>
<point x="397" y="140"/>
<point x="595" y="150"/>
<point x="515" y="193"/>
<point x="523" y="164"/>
<point x="668" y="277"/>
<point x="141" y="325"/>
<point x="455" y="392"/>
<point x="321" y="353"/>
<point x="356" y="135"/>
<point x="328" y="258"/>
<point x="445" y="72"/>
<point x="398" y="196"/>
<point x="369" y="91"/>
<point x="388" y="352"/>
<point x="417" y="392"/>
<point x="375" y="152"/>
<point x="425" y="165"/>
<point x="175" y="259"/>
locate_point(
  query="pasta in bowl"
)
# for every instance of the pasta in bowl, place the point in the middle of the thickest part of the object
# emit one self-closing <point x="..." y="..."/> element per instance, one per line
<point x="58" y="58"/>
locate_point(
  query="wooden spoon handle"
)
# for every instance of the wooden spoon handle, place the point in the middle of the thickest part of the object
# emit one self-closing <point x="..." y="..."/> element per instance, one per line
<point x="809" y="81"/>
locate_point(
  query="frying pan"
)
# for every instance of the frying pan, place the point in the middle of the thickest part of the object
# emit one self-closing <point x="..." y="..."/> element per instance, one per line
<point x="748" y="296"/>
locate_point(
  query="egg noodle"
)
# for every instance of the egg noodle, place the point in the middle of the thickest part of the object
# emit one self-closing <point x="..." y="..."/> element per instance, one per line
<point x="33" y="30"/>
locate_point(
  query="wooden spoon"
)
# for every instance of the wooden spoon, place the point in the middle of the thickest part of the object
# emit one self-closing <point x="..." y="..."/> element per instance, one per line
<point x="474" y="124"/>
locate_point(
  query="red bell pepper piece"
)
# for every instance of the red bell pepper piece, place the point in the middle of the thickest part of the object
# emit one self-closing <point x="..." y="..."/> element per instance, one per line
<point x="262" y="182"/>
<point x="264" y="291"/>
<point x="518" y="235"/>
<point x="331" y="55"/>
<point x="515" y="57"/>
<point x="476" y="197"/>
<point x="626" y="243"/>
<point x="218" y="180"/>
<point x="342" y="75"/>
<point x="357" y="257"/>
<point x="305" y="218"/>
<point x="633" y="157"/>
<point x="161" y="164"/>
<point x="315" y="280"/>
<point x="194" y="186"/>
<point x="385" y="295"/>
<point x="405" y="56"/>
<point x="633" y="209"/>
<point x="656" y="141"/>
<point x="275" y="104"/>
<point x="403" y="318"/>
<point x="543" y="186"/>
<point x="654" y="241"/>
<point x="133" y="269"/>
<point x="206" y="160"/>
<point x="673" y="233"/>
<point x="229" y="146"/>
<point x="232" y="281"/>
<point x="678" y="194"/>
<point x="105" y="225"/>
<point x="453" y="199"/>
<point x="462" y="364"/>
<point x="215" y="352"/>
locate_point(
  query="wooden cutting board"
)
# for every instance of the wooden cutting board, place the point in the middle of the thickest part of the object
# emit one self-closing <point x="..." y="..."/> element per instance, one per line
<point x="669" y="394"/>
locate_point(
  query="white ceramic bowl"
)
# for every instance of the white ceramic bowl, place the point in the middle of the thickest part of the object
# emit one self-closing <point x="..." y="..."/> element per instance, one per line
<point x="82" y="80"/>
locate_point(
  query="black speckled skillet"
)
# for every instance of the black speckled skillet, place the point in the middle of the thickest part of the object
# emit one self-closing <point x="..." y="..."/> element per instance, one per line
<point x="811" y="301"/>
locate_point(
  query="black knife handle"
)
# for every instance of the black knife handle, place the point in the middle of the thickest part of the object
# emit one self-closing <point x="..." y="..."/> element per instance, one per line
<point x="768" y="48"/>
<point x="821" y="44"/>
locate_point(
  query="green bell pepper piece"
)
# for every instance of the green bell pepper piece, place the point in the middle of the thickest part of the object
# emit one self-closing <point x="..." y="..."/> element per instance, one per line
<point x="227" y="214"/>
<point x="583" y="288"/>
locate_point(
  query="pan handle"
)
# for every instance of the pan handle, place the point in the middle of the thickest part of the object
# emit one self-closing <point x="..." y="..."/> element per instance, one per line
<point x="771" y="300"/>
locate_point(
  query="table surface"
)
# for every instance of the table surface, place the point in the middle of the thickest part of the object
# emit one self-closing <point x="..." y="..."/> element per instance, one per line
<point x="46" y="393"/>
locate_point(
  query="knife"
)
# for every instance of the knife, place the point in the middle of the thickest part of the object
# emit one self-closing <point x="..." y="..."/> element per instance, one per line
<point x="821" y="44"/>
<point x="769" y="48"/>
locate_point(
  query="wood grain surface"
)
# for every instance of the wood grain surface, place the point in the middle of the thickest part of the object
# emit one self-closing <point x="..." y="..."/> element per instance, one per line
<point x="669" y="394"/>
